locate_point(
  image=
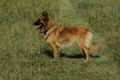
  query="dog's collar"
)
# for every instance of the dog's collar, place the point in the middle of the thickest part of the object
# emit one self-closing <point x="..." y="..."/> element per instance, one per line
<point x="45" y="32"/>
<point x="49" y="29"/>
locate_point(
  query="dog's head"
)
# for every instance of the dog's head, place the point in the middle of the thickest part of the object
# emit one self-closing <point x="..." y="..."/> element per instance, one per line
<point x="42" y="21"/>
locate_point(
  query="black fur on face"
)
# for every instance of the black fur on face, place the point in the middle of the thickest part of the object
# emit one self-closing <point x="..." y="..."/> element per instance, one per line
<point x="38" y="24"/>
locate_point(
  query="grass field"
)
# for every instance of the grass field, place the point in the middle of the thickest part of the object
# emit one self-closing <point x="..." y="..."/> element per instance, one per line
<point x="24" y="55"/>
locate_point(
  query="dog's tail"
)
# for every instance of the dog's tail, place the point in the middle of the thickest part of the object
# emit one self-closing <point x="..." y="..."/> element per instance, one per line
<point x="92" y="46"/>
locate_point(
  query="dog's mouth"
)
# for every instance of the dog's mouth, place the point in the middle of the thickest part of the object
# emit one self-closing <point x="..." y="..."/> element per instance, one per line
<point x="39" y="26"/>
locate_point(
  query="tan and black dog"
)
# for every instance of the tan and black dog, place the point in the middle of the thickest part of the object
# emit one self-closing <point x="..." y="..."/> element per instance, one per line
<point x="60" y="37"/>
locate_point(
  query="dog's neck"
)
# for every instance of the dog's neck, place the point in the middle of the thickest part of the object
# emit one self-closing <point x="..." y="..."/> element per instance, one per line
<point x="50" y="31"/>
<point x="52" y="25"/>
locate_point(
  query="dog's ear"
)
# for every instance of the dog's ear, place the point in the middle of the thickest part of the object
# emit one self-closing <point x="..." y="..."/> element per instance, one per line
<point x="45" y="15"/>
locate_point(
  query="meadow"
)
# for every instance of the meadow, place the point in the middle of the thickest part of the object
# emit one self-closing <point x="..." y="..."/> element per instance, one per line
<point x="24" y="54"/>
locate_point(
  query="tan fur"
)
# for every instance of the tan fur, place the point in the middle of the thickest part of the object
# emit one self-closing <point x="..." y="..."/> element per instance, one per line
<point x="94" y="48"/>
<point x="60" y="37"/>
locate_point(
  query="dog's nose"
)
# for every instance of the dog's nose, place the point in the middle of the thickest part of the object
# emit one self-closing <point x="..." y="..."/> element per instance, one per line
<point x="35" y="23"/>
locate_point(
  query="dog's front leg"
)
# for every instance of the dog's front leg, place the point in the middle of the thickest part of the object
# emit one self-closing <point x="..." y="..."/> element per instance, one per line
<point x="55" y="49"/>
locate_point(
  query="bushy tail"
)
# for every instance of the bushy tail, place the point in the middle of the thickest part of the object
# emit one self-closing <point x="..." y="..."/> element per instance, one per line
<point x="94" y="48"/>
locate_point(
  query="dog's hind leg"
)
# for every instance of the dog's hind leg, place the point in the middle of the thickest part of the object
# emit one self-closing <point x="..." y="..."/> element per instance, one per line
<point x="55" y="50"/>
<point x="86" y="52"/>
<point x="85" y="49"/>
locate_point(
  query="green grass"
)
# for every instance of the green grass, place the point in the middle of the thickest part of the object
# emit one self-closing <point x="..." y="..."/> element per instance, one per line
<point x="24" y="55"/>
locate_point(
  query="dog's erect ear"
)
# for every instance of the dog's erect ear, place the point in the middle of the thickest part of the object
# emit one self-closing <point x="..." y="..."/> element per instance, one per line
<point x="45" y="15"/>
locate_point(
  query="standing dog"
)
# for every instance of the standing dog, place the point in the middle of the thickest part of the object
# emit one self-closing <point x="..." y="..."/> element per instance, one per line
<point x="60" y="37"/>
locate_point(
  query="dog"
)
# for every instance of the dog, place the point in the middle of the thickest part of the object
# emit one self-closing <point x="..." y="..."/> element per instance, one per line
<point x="61" y="37"/>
